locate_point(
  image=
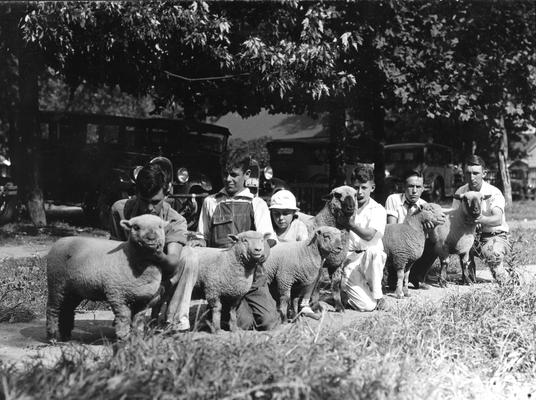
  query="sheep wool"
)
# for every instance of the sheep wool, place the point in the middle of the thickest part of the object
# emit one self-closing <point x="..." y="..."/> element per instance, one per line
<point x="121" y="273"/>
<point x="297" y="265"/>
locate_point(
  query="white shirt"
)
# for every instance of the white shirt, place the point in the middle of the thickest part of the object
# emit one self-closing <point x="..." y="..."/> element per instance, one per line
<point x="261" y="213"/>
<point x="495" y="201"/>
<point x="296" y="232"/>
<point x="396" y="205"/>
<point x="371" y="215"/>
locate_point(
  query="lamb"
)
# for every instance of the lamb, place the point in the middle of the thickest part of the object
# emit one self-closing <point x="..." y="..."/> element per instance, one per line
<point x="121" y="273"/>
<point x="457" y="235"/>
<point x="226" y="275"/>
<point x="339" y="208"/>
<point x="404" y="244"/>
<point x="296" y="265"/>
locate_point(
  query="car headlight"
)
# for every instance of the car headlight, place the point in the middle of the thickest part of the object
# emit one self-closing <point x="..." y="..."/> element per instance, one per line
<point x="183" y="175"/>
<point x="387" y="173"/>
<point x="268" y="173"/>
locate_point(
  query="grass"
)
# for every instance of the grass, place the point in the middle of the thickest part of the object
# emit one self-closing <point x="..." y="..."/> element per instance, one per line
<point x="478" y="345"/>
<point x="481" y="344"/>
<point x="522" y="210"/>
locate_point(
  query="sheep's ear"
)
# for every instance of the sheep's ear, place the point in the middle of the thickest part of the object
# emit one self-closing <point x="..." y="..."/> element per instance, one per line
<point x="268" y="237"/>
<point x="125" y="223"/>
<point x="234" y="238"/>
<point x="459" y="196"/>
<point x="486" y="196"/>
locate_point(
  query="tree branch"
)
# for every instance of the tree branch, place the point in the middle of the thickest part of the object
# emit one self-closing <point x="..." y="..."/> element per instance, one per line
<point x="208" y="78"/>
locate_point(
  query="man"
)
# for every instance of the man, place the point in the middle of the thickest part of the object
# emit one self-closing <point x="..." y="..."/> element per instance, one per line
<point x="151" y="184"/>
<point x="232" y="210"/>
<point x="361" y="284"/>
<point x="493" y="244"/>
<point x="399" y="206"/>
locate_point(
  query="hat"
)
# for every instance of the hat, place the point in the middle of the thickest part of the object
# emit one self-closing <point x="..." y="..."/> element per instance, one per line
<point x="283" y="200"/>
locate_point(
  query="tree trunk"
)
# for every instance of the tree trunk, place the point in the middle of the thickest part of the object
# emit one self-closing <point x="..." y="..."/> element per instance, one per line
<point x="28" y="129"/>
<point x="502" y="157"/>
<point x="337" y="134"/>
<point x="378" y="129"/>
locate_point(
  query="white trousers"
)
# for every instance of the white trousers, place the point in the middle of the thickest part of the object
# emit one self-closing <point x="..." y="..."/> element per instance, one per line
<point x="362" y="279"/>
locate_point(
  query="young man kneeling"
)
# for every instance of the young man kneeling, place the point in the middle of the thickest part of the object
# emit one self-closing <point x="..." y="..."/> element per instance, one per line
<point x="361" y="285"/>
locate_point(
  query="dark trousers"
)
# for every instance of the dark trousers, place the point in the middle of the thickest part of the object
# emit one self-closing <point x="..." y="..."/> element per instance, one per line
<point x="257" y="310"/>
<point x="420" y="269"/>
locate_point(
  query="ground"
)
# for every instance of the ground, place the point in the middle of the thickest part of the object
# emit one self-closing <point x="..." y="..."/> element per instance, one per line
<point x="25" y="341"/>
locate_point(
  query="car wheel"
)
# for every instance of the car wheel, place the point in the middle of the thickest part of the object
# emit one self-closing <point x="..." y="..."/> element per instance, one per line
<point x="8" y="209"/>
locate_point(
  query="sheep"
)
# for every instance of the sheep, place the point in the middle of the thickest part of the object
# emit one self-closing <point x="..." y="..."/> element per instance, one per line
<point x="121" y="273"/>
<point x="404" y="244"/>
<point x="226" y="275"/>
<point x="457" y="235"/>
<point x="295" y="265"/>
<point x="340" y="206"/>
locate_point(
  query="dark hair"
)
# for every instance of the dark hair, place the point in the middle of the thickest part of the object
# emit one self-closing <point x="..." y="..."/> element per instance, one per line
<point x="150" y="180"/>
<point x="411" y="173"/>
<point x="362" y="173"/>
<point x="473" y="159"/>
<point x="244" y="164"/>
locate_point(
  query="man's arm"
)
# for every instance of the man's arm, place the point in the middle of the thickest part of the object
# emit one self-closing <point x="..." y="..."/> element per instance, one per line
<point x="203" y="226"/>
<point x="116" y="215"/>
<point x="261" y="214"/>
<point x="391" y="209"/>
<point x="495" y="219"/>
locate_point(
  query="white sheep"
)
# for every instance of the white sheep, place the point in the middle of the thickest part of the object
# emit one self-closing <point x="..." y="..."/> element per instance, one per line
<point x="121" y="273"/>
<point x="226" y="275"/>
<point x="295" y="266"/>
<point x="457" y="235"/>
<point x="404" y="244"/>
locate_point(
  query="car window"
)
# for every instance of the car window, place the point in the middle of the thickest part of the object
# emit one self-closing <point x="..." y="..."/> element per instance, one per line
<point x="109" y="134"/>
<point x="92" y="135"/>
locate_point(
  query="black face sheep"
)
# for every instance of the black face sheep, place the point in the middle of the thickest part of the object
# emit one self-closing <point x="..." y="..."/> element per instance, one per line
<point x="404" y="244"/>
<point x="295" y="265"/>
<point x="340" y="206"/>
<point x="226" y="275"/>
<point x="97" y="269"/>
<point x="457" y="235"/>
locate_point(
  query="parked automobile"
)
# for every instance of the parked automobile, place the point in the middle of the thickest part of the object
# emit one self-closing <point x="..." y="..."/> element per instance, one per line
<point x="8" y="192"/>
<point x="89" y="159"/>
<point x="519" y="183"/>
<point x="442" y="174"/>
<point x="262" y="182"/>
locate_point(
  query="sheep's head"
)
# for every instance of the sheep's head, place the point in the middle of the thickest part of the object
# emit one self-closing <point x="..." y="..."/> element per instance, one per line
<point x="431" y="215"/>
<point x="252" y="247"/>
<point x="341" y="202"/>
<point x="329" y="240"/>
<point x="146" y="232"/>
<point x="471" y="203"/>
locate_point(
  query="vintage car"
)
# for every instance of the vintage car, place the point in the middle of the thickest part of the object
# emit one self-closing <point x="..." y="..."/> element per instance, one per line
<point x="89" y="159"/>
<point x="442" y="174"/>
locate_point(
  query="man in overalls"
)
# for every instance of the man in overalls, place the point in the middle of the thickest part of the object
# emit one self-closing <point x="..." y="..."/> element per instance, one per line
<point x="232" y="210"/>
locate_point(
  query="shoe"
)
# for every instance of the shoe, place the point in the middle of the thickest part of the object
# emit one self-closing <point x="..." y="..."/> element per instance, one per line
<point x="424" y="286"/>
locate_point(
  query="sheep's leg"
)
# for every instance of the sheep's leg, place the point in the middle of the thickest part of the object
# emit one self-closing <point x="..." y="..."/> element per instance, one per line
<point x="122" y="320"/>
<point x="443" y="272"/>
<point x="315" y="295"/>
<point x="399" y="293"/>
<point x="336" y="290"/>
<point x="468" y="276"/>
<point x="233" y="325"/>
<point x="284" y="298"/>
<point x="54" y="304"/>
<point x="405" y="287"/>
<point x="66" y="316"/>
<point x="216" y="306"/>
